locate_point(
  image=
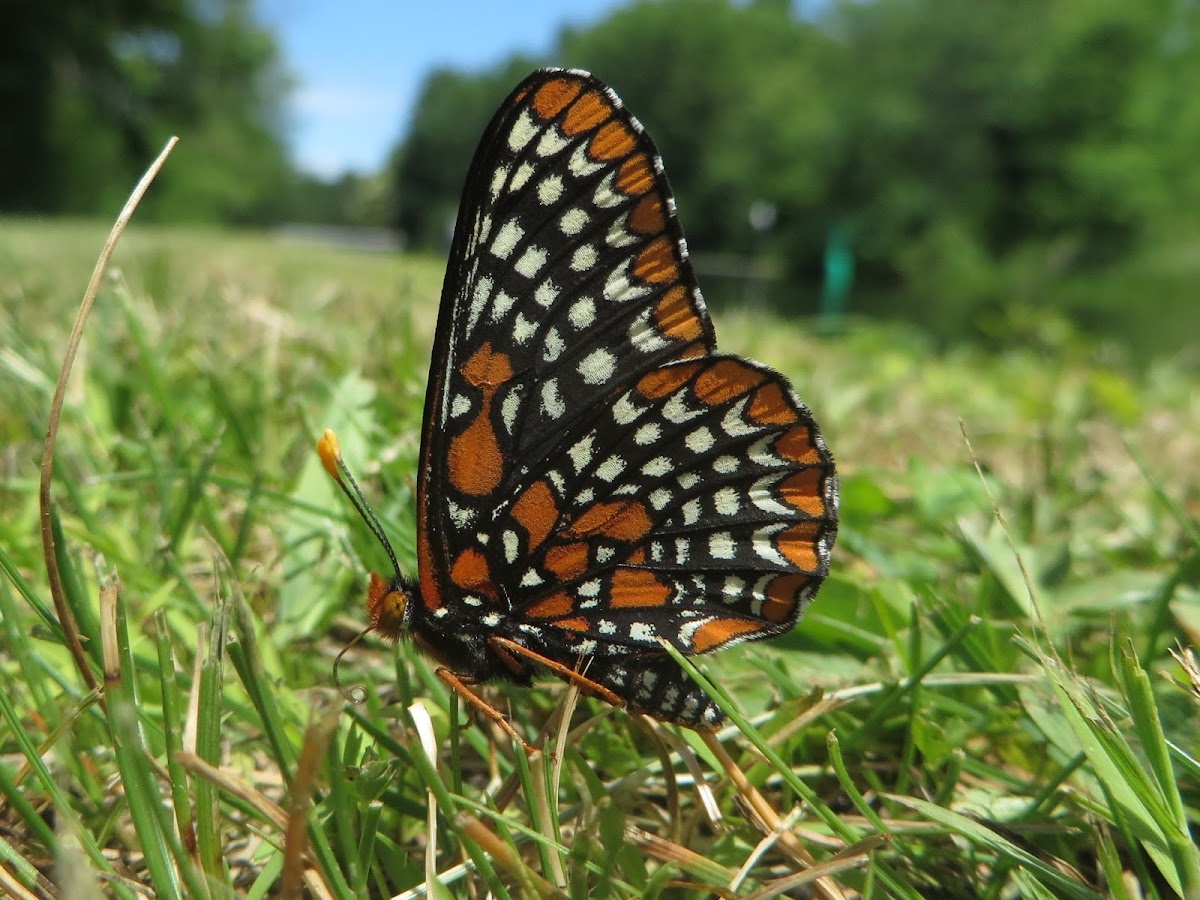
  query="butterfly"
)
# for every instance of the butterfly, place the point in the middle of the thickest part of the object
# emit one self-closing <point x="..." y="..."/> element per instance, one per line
<point x="595" y="477"/>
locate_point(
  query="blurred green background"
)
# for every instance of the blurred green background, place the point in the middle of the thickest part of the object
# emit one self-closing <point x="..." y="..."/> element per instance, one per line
<point x="1007" y="172"/>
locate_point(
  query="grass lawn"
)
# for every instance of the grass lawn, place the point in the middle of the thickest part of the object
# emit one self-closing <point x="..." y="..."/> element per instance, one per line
<point x="983" y="700"/>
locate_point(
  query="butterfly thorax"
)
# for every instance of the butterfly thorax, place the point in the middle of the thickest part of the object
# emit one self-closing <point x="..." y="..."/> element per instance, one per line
<point x="456" y="635"/>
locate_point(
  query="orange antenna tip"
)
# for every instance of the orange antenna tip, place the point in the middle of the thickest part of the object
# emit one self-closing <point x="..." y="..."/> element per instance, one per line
<point x="330" y="453"/>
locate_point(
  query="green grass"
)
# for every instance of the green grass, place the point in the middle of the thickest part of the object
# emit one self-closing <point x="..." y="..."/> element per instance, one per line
<point x="968" y="709"/>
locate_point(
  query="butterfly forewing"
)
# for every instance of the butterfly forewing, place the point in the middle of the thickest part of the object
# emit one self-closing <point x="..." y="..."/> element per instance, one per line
<point x="594" y="476"/>
<point x="568" y="272"/>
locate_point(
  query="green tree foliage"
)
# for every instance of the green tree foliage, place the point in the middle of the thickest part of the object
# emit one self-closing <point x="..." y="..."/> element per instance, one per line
<point x="429" y="166"/>
<point x="92" y="90"/>
<point x="983" y="155"/>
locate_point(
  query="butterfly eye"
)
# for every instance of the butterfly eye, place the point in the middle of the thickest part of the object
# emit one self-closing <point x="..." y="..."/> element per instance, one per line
<point x="387" y="603"/>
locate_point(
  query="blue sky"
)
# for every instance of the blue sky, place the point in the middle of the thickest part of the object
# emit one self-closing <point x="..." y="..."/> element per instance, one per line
<point x="358" y="66"/>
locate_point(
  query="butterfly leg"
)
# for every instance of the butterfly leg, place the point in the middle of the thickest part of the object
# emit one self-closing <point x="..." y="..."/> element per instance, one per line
<point x="459" y="685"/>
<point x="509" y="650"/>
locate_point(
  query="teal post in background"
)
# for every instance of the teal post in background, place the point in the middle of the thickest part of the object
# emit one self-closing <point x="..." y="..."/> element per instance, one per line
<point x="839" y="275"/>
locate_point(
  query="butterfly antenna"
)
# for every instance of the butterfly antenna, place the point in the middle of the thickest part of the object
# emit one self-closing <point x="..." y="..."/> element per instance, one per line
<point x="355" y="694"/>
<point x="331" y="457"/>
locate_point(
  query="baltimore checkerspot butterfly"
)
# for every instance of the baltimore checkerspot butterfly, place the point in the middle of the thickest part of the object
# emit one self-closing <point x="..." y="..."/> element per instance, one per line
<point x="594" y="476"/>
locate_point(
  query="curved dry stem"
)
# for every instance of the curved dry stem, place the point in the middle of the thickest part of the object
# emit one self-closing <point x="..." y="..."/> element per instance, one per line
<point x="65" y="617"/>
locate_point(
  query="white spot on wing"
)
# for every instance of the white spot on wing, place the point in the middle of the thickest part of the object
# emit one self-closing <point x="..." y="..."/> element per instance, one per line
<point x="510" y="408"/>
<point x="604" y="196"/>
<point x="502" y="303"/>
<point x="498" y="178"/>
<point x="619" y="289"/>
<point x="553" y="345"/>
<point x="581" y="165"/>
<point x="676" y="409"/>
<point x="644" y="335"/>
<point x="506" y="239"/>
<point x="727" y="501"/>
<point x="581" y="453"/>
<point x="531" y="261"/>
<point x="735" y="424"/>
<point x="582" y="313"/>
<point x="610" y="468"/>
<point x="573" y="221"/>
<point x="583" y="258"/>
<point x="522" y="131"/>
<point x="546" y="294"/>
<point x="523" y="329"/>
<point x="642" y="631"/>
<point x="657" y="467"/>
<point x="763" y="543"/>
<point x="551" y="144"/>
<point x="619" y="235"/>
<point x="598" y="366"/>
<point x="762" y="495"/>
<point x="647" y="434"/>
<point x="552" y="402"/>
<point x="480" y="298"/>
<point x="549" y="190"/>
<point x="461" y="516"/>
<point x="625" y="411"/>
<point x="725" y="465"/>
<point x="524" y="172"/>
<point x="700" y="441"/>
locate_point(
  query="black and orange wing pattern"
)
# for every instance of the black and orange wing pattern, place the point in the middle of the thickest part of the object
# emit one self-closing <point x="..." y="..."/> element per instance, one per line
<point x="594" y="476"/>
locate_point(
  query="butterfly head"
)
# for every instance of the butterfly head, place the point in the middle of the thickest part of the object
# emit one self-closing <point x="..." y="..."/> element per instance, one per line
<point x="390" y="602"/>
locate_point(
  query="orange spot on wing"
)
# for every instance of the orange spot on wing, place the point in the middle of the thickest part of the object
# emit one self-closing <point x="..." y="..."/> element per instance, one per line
<point x="725" y="381"/>
<point x="636" y="175"/>
<point x="659" y="383"/>
<point x="579" y="623"/>
<point x="637" y="557"/>
<point x="486" y="369"/>
<point x="431" y="595"/>
<point x="613" y="141"/>
<point x="474" y="460"/>
<point x="568" y="560"/>
<point x="676" y="317"/>
<point x="656" y="264"/>
<point x="719" y="632"/>
<point x="802" y="491"/>
<point x="771" y="406"/>
<point x="797" y="444"/>
<point x="589" y="112"/>
<point x="782" y="595"/>
<point x="637" y="587"/>
<point x="554" y="96"/>
<point x="622" y="521"/>
<point x="647" y="217"/>
<point x="537" y="511"/>
<point x="471" y="572"/>
<point x="557" y="604"/>
<point x="798" y="544"/>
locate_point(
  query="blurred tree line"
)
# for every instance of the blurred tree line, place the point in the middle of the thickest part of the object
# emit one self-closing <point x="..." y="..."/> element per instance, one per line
<point x="997" y="167"/>
<point x="1000" y="166"/>
<point x="92" y="90"/>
